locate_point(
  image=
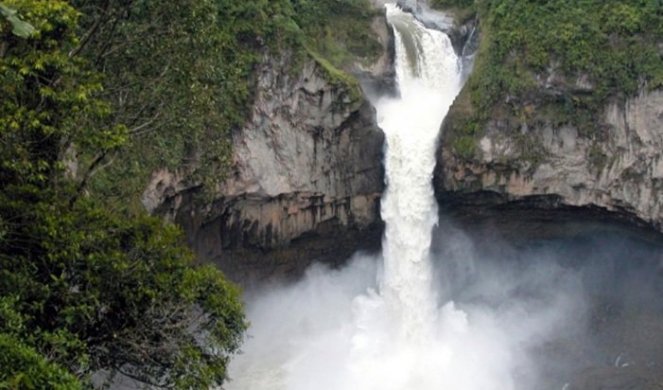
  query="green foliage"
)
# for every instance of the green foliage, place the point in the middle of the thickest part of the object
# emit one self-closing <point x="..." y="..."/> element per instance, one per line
<point x="597" y="158"/>
<point x="184" y="84"/>
<point x="338" y="77"/>
<point x="83" y="288"/>
<point x="452" y="3"/>
<point x="25" y="368"/>
<point x="337" y="30"/>
<point x="20" y="28"/>
<point x="462" y="10"/>
<point x="465" y="146"/>
<point x="180" y="85"/>
<point x="612" y="44"/>
<point x="96" y="95"/>
<point x="99" y="291"/>
<point x="47" y="95"/>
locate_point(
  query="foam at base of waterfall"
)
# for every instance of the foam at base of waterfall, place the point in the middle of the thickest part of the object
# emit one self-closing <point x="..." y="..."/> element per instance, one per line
<point x="328" y="333"/>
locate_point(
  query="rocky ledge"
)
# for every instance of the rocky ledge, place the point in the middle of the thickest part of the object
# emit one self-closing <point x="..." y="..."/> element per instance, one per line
<point x="545" y="169"/>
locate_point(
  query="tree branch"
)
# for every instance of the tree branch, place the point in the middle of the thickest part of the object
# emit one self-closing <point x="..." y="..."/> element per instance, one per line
<point x="137" y="378"/>
<point x="92" y="31"/>
<point x="136" y="130"/>
<point x="88" y="174"/>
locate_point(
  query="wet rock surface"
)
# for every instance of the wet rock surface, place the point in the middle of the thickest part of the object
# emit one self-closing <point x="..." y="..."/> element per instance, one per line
<point x="629" y="347"/>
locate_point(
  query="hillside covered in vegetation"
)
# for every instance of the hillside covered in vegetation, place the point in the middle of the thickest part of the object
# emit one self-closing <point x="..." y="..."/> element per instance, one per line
<point x="558" y="60"/>
<point x="95" y="95"/>
<point x="564" y="108"/>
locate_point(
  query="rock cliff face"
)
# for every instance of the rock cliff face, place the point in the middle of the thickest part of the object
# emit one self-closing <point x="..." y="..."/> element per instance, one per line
<point x="541" y="166"/>
<point x="305" y="183"/>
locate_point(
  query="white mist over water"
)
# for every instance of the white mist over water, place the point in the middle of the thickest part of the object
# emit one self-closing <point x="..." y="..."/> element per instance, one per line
<point x="348" y="330"/>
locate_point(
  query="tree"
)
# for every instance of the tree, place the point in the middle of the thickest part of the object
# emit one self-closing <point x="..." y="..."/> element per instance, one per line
<point x="83" y="288"/>
<point x="178" y="75"/>
<point x="24" y="368"/>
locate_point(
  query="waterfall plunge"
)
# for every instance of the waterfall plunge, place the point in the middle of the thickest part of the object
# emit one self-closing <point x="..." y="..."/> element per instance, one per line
<point x="428" y="75"/>
<point x="329" y="332"/>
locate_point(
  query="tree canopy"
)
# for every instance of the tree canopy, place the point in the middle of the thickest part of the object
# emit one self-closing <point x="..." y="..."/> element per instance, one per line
<point x="84" y="288"/>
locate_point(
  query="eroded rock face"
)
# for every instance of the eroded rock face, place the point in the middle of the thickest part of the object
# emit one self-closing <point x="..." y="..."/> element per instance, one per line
<point x="379" y="78"/>
<point x="619" y="169"/>
<point x="307" y="169"/>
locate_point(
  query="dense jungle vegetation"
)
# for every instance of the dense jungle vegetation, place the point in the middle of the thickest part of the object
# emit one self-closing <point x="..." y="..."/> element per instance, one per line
<point x="95" y="95"/>
<point x="558" y="60"/>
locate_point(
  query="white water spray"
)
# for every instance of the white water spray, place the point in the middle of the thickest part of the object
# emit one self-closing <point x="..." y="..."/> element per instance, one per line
<point x="338" y="335"/>
<point x="401" y="339"/>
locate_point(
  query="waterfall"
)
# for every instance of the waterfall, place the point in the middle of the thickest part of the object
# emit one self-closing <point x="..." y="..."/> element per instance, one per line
<point x="428" y="76"/>
<point x="505" y="319"/>
<point x="396" y="341"/>
<point x="393" y="335"/>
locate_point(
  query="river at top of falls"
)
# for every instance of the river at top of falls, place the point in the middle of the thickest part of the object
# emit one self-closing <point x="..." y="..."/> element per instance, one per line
<point x="348" y="333"/>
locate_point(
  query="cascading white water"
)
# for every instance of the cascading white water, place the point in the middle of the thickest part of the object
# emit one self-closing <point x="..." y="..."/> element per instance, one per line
<point x="395" y="341"/>
<point x="428" y="76"/>
<point x="395" y="337"/>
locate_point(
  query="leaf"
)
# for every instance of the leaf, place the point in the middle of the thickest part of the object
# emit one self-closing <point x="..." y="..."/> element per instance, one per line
<point x="20" y="28"/>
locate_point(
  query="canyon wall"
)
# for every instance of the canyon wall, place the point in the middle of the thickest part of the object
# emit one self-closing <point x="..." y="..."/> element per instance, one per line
<point x="306" y="176"/>
<point x="615" y="172"/>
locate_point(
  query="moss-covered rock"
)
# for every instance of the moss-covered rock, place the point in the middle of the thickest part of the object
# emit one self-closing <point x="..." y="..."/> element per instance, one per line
<point x="566" y="97"/>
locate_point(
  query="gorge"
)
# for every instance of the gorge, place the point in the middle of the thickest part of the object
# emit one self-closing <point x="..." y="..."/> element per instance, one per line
<point x="443" y="308"/>
<point x="306" y="176"/>
<point x="390" y="340"/>
<point x="544" y="229"/>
